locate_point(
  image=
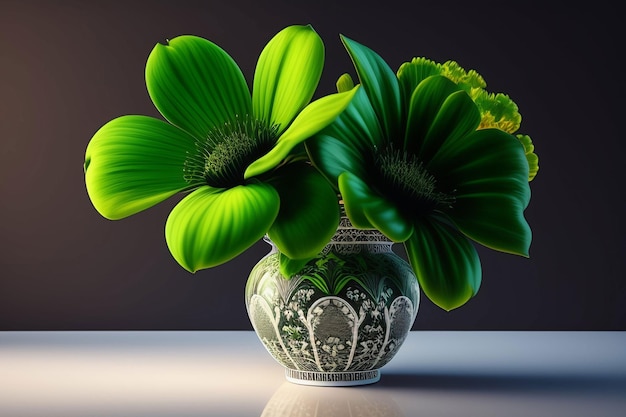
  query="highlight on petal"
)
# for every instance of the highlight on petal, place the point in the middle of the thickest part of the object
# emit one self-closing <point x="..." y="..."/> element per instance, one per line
<point x="133" y="163"/>
<point x="381" y="85"/>
<point x="212" y="226"/>
<point x="309" y="211"/>
<point x="287" y="73"/>
<point x="311" y="120"/>
<point x="445" y="262"/>
<point x="489" y="172"/>
<point x="196" y="85"/>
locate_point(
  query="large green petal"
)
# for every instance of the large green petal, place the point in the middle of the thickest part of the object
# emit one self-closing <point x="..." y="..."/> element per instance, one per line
<point x="196" y="85"/>
<point x="426" y="103"/>
<point x="211" y="226"/>
<point x="135" y="162"/>
<point x="356" y="195"/>
<point x="488" y="173"/>
<point x="445" y="262"/>
<point x="309" y="211"/>
<point x="311" y="120"/>
<point x="368" y="210"/>
<point x="457" y="117"/>
<point x="348" y="143"/>
<point x="287" y="74"/>
<point x="380" y="84"/>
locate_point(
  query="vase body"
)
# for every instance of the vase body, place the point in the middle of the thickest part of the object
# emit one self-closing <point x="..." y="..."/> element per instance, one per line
<point x="340" y="319"/>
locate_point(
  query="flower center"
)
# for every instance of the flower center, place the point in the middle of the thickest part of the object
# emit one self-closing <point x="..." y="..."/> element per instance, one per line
<point x="405" y="180"/>
<point x="222" y="157"/>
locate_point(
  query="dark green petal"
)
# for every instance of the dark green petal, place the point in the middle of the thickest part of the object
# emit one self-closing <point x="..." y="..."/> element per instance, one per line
<point x="196" y="85"/>
<point x="356" y="195"/>
<point x="457" y="117"/>
<point x="290" y="267"/>
<point x="347" y="144"/>
<point x="312" y="119"/>
<point x="309" y="211"/>
<point x="287" y="74"/>
<point x="410" y="74"/>
<point x="388" y="219"/>
<point x="488" y="172"/>
<point x="212" y="226"/>
<point x="135" y="162"/>
<point x="380" y="84"/>
<point x="368" y="210"/>
<point x="426" y="103"/>
<point x="445" y="262"/>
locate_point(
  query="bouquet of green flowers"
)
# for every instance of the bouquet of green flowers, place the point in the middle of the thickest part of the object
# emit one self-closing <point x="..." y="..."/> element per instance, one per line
<point x="426" y="156"/>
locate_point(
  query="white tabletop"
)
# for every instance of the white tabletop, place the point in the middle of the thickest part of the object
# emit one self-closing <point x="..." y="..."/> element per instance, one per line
<point x="217" y="373"/>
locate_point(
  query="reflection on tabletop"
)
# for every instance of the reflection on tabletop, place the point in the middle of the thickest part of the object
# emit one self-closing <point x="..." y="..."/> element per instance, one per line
<point x="299" y="401"/>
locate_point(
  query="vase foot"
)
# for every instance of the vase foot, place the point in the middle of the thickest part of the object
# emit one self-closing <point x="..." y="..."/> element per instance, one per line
<point x="332" y="379"/>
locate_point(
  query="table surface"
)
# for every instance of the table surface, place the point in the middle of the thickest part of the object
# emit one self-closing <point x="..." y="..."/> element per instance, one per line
<point x="229" y="373"/>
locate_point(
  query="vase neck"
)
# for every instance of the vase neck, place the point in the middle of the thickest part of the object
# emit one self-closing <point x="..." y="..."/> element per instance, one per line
<point x="349" y="239"/>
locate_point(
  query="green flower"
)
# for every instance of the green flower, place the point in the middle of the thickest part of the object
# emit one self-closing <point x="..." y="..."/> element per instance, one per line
<point x="411" y="159"/>
<point x="215" y="130"/>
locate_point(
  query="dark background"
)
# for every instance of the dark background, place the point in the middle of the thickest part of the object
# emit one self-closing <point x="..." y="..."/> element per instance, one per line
<point x="68" y="67"/>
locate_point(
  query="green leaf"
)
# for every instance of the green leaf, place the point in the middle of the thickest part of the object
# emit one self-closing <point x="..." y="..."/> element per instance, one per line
<point x="489" y="173"/>
<point x="348" y="143"/>
<point x="287" y="74"/>
<point x="445" y="262"/>
<point x="196" y="85"/>
<point x="309" y="211"/>
<point x="380" y="84"/>
<point x="212" y="226"/>
<point x="133" y="163"/>
<point x="312" y="119"/>
<point x="426" y="103"/>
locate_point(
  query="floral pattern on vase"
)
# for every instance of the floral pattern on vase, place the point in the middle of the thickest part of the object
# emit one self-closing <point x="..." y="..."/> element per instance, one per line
<point x="349" y="310"/>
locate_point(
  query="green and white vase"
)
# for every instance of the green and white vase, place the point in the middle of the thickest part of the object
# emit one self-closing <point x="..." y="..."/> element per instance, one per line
<point x="343" y="317"/>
